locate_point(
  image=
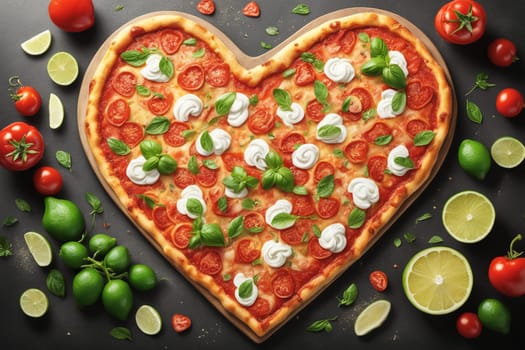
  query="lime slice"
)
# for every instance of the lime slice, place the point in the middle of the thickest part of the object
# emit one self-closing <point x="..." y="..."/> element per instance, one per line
<point x="507" y="152"/>
<point x="372" y="317"/>
<point x="56" y="111"/>
<point x="438" y="280"/>
<point x="62" y="68"/>
<point x="33" y="302"/>
<point x="468" y="216"/>
<point x="37" y="44"/>
<point x="148" y="320"/>
<point x="39" y="248"/>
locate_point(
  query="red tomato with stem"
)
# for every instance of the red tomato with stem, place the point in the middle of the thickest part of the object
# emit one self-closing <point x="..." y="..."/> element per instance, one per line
<point x="469" y="325"/>
<point x="461" y="21"/>
<point x="507" y="273"/>
<point x="509" y="102"/>
<point x="502" y="52"/>
<point x="27" y="100"/>
<point x="379" y="280"/>
<point x="47" y="180"/>
<point x="72" y="15"/>
<point x="21" y="146"/>
<point x="180" y="322"/>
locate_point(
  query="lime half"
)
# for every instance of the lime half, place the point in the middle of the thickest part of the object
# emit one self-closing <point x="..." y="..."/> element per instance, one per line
<point x="507" y="152"/>
<point x="148" y="320"/>
<point x="34" y="303"/>
<point x="62" y="68"/>
<point x="372" y="317"/>
<point x="37" y="44"/>
<point x="39" y="248"/>
<point x="438" y="280"/>
<point x="56" y="111"/>
<point x="468" y="216"/>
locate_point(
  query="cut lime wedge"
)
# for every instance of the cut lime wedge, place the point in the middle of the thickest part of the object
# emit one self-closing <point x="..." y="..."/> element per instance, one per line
<point x="56" y="111"/>
<point x="39" y="248"/>
<point x="37" y="44"/>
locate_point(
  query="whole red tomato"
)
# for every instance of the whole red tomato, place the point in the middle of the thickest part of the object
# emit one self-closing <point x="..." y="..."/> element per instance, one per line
<point x="27" y="100"/>
<point x="461" y="21"/>
<point x="502" y="52"/>
<point x="21" y="146"/>
<point x="47" y="180"/>
<point x="507" y="273"/>
<point x="72" y="15"/>
<point x="469" y="325"/>
<point x="509" y="102"/>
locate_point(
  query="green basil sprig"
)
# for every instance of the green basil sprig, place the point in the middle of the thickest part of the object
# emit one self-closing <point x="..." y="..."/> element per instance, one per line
<point x="379" y="64"/>
<point x="239" y="179"/>
<point x="321" y="325"/>
<point x="349" y="295"/>
<point x="357" y="218"/>
<point x="277" y="175"/>
<point x="283" y="99"/>
<point x="155" y="159"/>
<point x="246" y="288"/>
<point x="224" y="103"/>
<point x="158" y="126"/>
<point x="206" y="234"/>
<point x="137" y="58"/>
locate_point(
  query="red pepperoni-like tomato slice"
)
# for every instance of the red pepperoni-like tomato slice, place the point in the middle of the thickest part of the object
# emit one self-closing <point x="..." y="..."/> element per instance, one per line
<point x="254" y="222"/>
<point x="316" y="251"/>
<point x="210" y="263"/>
<point x="181" y="235"/>
<point x="328" y="207"/>
<point x="118" y="112"/>
<point x="171" y="40"/>
<point x="173" y="136"/>
<point x="303" y="205"/>
<point x="356" y="151"/>
<point x="260" y="309"/>
<point x="207" y="177"/>
<point x="183" y="178"/>
<point x="131" y="133"/>
<point x="125" y="83"/>
<point x="218" y="75"/>
<point x="294" y="235"/>
<point x="192" y="77"/>
<point x="323" y="169"/>
<point x="379" y="129"/>
<point x="418" y="95"/>
<point x="304" y="74"/>
<point x="348" y="41"/>
<point x="300" y="176"/>
<point x="314" y="110"/>
<point x="360" y="102"/>
<point x="290" y="141"/>
<point x="376" y="167"/>
<point x="159" y="105"/>
<point x="206" y="7"/>
<point x="246" y="251"/>
<point x="161" y="218"/>
<point x="283" y="284"/>
<point x="261" y="121"/>
<point x="415" y="126"/>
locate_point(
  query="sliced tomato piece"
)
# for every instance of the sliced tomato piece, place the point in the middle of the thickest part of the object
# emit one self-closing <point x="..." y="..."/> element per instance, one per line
<point x="261" y="308"/>
<point x="323" y="169"/>
<point x="173" y="136"/>
<point x="171" y="40"/>
<point x="418" y="95"/>
<point x="378" y="129"/>
<point x="314" y="110"/>
<point x="207" y="177"/>
<point x="118" y="112"/>
<point x="305" y="74"/>
<point x="161" y="218"/>
<point x="246" y="251"/>
<point x="160" y="104"/>
<point x="328" y="207"/>
<point x="261" y="121"/>
<point x="183" y="178"/>
<point x="294" y="235"/>
<point x="303" y="205"/>
<point x="206" y="7"/>
<point x="180" y="322"/>
<point x="192" y="77"/>
<point x="348" y="41"/>
<point x="376" y="167"/>
<point x="360" y="102"/>
<point x="254" y="221"/>
<point x="378" y="280"/>
<point x="125" y="83"/>
<point x="290" y="142"/>
<point x="415" y="126"/>
<point x="300" y="176"/>
<point x="356" y="151"/>
<point x="316" y="251"/>
<point x="218" y="75"/>
<point x="181" y="235"/>
<point x="210" y="263"/>
<point x="131" y="133"/>
<point x="251" y="9"/>
<point x="283" y="284"/>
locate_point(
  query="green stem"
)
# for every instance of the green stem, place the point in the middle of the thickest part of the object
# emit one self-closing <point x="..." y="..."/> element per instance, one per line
<point x="512" y="254"/>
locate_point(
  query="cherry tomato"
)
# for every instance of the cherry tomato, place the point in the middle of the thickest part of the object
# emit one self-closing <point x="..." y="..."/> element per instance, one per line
<point x="206" y="7"/>
<point x="379" y="280"/>
<point x="507" y="273"/>
<point x="502" y="52"/>
<point x="21" y="146"/>
<point x="468" y="325"/>
<point x="72" y="15"/>
<point x="251" y="9"/>
<point x="180" y="322"/>
<point x="461" y="21"/>
<point x="47" y="180"/>
<point x="509" y="102"/>
<point x="27" y="100"/>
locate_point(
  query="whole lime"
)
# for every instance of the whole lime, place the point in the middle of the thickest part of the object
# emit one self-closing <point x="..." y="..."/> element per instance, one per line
<point x="474" y="158"/>
<point x="494" y="315"/>
<point x="62" y="219"/>
<point x="142" y="277"/>
<point x="73" y="254"/>
<point x="100" y="244"/>
<point x="87" y="286"/>
<point x="118" y="259"/>
<point x="117" y="299"/>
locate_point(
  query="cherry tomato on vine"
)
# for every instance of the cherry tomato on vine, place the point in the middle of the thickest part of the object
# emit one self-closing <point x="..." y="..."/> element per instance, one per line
<point x="502" y="52"/>
<point x="507" y="273"/>
<point x="180" y="322"/>
<point x="461" y="21"/>
<point x="468" y="325"/>
<point x="47" y="180"/>
<point x="509" y="102"/>
<point x="379" y="280"/>
<point x="21" y="146"/>
<point x="27" y="100"/>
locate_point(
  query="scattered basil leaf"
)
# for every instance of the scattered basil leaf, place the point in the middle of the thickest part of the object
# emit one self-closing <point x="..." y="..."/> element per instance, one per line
<point x="301" y="9"/>
<point x="369" y="114"/>
<point x="94" y="203"/>
<point x="55" y="283"/>
<point x="166" y="165"/>
<point x="328" y="131"/>
<point x="222" y="204"/>
<point x="194" y="206"/>
<point x="118" y="147"/>
<point x="135" y="58"/>
<point x="374" y="66"/>
<point x="283" y="220"/>
<point x="383" y="140"/>
<point x="236" y="227"/>
<point x="265" y="45"/>
<point x="187" y="133"/>
<point x="121" y="333"/>
<point x="321" y="92"/>
<point x="158" y="126"/>
<point x="363" y="37"/>
<point x="5" y="247"/>
<point x="193" y="165"/>
<point x="226" y="277"/>
<point x="289" y="72"/>
<point x="64" y="159"/>
<point x="482" y="82"/>
<point x="326" y="186"/>
<point x="397" y="242"/>
<point x="394" y="76"/>
<point x="283" y="99"/>
<point x="143" y="91"/>
<point x="246" y="288"/>
<point x="9" y="221"/>
<point x="190" y="42"/>
<point x="357" y="218"/>
<point x="147" y="200"/>
<point x="346" y="104"/>
<point x="248" y="203"/>
<point x="210" y="164"/>
<point x="272" y="30"/>
<point x="349" y="295"/>
<point x="206" y="141"/>
<point x="423" y="217"/>
<point x="300" y="190"/>
<point x="119" y="7"/>
<point x="338" y="153"/>
<point x="378" y="47"/>
<point x="399" y="101"/>
<point x="199" y="53"/>
<point x="321" y="325"/>
<point x="22" y="205"/>
<point x="150" y="148"/>
<point x="224" y="103"/>
<point x="424" y="137"/>
<point x="166" y="67"/>
<point x="405" y="162"/>
<point x="212" y="236"/>
<point x="254" y="100"/>
<point x="474" y="113"/>
<point x="409" y="237"/>
<point x="435" y="239"/>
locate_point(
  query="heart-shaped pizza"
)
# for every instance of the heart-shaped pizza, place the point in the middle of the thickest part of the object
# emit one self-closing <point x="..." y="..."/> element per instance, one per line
<point x="262" y="184"/>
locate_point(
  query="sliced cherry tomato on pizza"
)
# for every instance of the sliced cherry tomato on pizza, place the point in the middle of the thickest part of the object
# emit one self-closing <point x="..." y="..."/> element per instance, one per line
<point x="379" y="280"/>
<point x="328" y="207"/>
<point x="174" y="136"/>
<point x="316" y="251"/>
<point x="291" y="141"/>
<point x="181" y="235"/>
<point x="125" y="83"/>
<point x="192" y="77"/>
<point x="305" y="74"/>
<point x="300" y="176"/>
<point x="509" y="102"/>
<point x="418" y="95"/>
<point x="160" y="104"/>
<point x="356" y="151"/>
<point x="376" y="167"/>
<point x="207" y="177"/>
<point x="261" y="308"/>
<point x="461" y="21"/>
<point x="246" y="251"/>
<point x="283" y="284"/>
<point x="348" y="41"/>
<point x="131" y="133"/>
<point x="161" y="218"/>
<point x="206" y="7"/>
<point x="47" y="180"/>
<point x="415" y="126"/>
<point x="261" y="121"/>
<point x="180" y="322"/>
<point x="360" y="101"/>
<point x="315" y="110"/>
<point x="295" y="235"/>
<point x="254" y="222"/>
<point x="183" y="178"/>
<point x="303" y="205"/>
<point x="171" y="40"/>
<point x="323" y="169"/>
<point x="251" y="9"/>
<point x="27" y="100"/>
<point x="218" y="75"/>
<point x="377" y="130"/>
<point x="210" y="263"/>
<point x="118" y="112"/>
<point x="502" y="52"/>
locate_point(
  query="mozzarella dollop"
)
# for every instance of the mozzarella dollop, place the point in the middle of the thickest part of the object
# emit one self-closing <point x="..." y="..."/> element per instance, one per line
<point x="152" y="69"/>
<point x="384" y="107"/>
<point x="255" y="154"/>
<point x="239" y="110"/>
<point x="332" y="119"/>
<point x="187" y="105"/>
<point x="364" y="192"/>
<point x="339" y="70"/>
<point x="305" y="156"/>
<point x="228" y="192"/>
<point x="280" y="206"/>
<point x="397" y="57"/>
<point x="137" y="175"/>
<point x="192" y="191"/>
<point x="292" y="117"/>
<point x="397" y="169"/>
<point x="221" y="142"/>
<point x="275" y="253"/>
<point x="333" y="238"/>
<point x="239" y="279"/>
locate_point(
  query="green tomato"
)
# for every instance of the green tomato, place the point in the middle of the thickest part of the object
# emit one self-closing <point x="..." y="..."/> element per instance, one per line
<point x="117" y="299"/>
<point x="142" y="277"/>
<point x="73" y="254"/>
<point x="118" y="259"/>
<point x="494" y="315"/>
<point x="87" y="286"/>
<point x="100" y="244"/>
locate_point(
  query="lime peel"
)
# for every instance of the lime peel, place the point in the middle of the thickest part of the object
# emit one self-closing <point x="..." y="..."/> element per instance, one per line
<point x="38" y="44"/>
<point x="39" y="248"/>
<point x="372" y="317"/>
<point x="148" y="320"/>
<point x="56" y="111"/>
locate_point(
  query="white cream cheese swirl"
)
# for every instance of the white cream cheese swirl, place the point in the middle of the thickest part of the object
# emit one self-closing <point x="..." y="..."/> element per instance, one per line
<point x="397" y="57"/>
<point x="187" y="105"/>
<point x="305" y="156"/>
<point x="138" y="176"/>
<point x="221" y="142"/>
<point x="397" y="169"/>
<point x="239" y="110"/>
<point x="292" y="117"/>
<point x="333" y="238"/>
<point x="256" y="152"/>
<point x="232" y="194"/>
<point x="192" y="191"/>
<point x="280" y="206"/>
<point x="384" y="107"/>
<point x="339" y="70"/>
<point x="239" y="279"/>
<point x="152" y="70"/>
<point x="364" y="192"/>
<point x="334" y="120"/>
<point x="275" y="253"/>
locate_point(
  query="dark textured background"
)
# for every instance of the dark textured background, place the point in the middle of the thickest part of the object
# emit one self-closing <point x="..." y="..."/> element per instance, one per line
<point x="67" y="327"/>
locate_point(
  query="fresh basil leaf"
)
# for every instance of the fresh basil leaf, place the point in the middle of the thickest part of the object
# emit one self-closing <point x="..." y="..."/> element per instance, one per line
<point x="316" y="230"/>
<point x="397" y="242"/>
<point x="143" y="91"/>
<point x="147" y="200"/>
<point x="195" y="241"/>
<point x="405" y="162"/>
<point x="283" y="99"/>
<point x="206" y="141"/>
<point x="254" y="100"/>
<point x="328" y="131"/>
<point x="167" y="164"/>
<point x="158" y="126"/>
<point x="64" y="159"/>
<point x="199" y="53"/>
<point x="151" y="163"/>
<point x="224" y="103"/>
<point x="399" y="102"/>
<point x="338" y="153"/>
<point x="383" y="140"/>
<point x="190" y="42"/>
<point x="284" y="179"/>
<point x="409" y="237"/>
<point x="236" y="227"/>
<point x="265" y="45"/>
<point x="394" y="76"/>
<point x="474" y="113"/>
<point x="423" y="138"/>
<point x="378" y="47"/>
<point x="373" y="66"/>
<point x="321" y="325"/>
<point x="194" y="206"/>
<point x="346" y="104"/>
<point x="272" y="31"/>
<point x="246" y="288"/>
<point x="121" y="333"/>
<point x="249" y="203"/>
<point x="94" y="203"/>
<point x="301" y="9"/>
<point x="268" y="179"/>
<point x="289" y="72"/>
<point x="320" y="91"/>
<point x="22" y="205"/>
<point x="349" y="295"/>
<point x="166" y="67"/>
<point x="423" y="217"/>
<point x="369" y="114"/>
<point x="357" y="218"/>
<point x="273" y="160"/>
<point x="187" y="133"/>
<point x="118" y="147"/>
<point x="55" y="283"/>
<point x="134" y="57"/>
<point x="283" y="220"/>
<point x="212" y="236"/>
<point x="193" y="165"/>
<point x="150" y="148"/>
<point x="326" y="186"/>
<point x="5" y="247"/>
<point x="435" y="239"/>
<point x="222" y="204"/>
<point x="210" y="164"/>
<point x="300" y="190"/>
<point x="363" y="37"/>
<point x="9" y="221"/>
